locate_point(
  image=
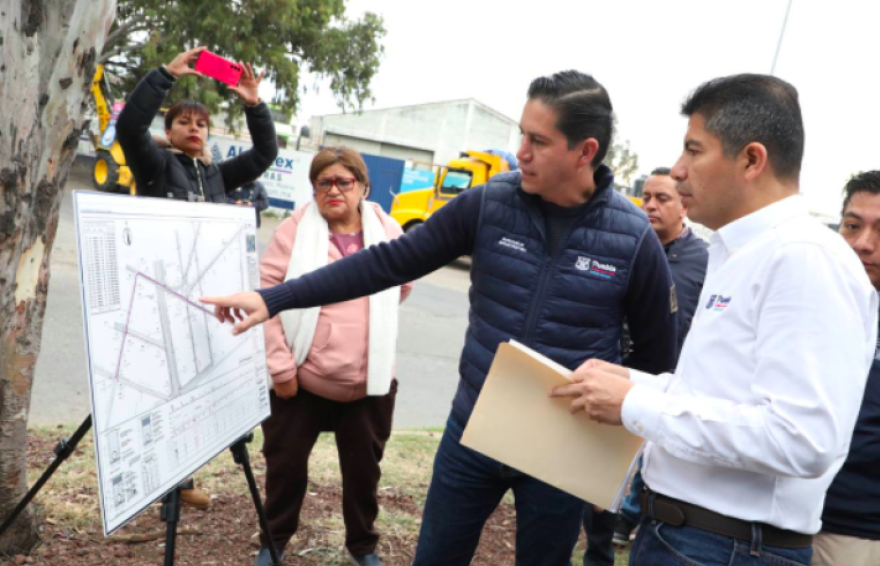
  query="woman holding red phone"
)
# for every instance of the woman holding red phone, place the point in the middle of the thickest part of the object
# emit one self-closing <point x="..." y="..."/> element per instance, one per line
<point x="181" y="167"/>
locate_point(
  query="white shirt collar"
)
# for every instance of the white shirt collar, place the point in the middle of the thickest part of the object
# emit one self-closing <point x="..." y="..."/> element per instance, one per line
<point x="738" y="233"/>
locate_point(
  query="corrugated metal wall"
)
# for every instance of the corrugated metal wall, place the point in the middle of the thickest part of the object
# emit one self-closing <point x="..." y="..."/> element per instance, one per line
<point x="386" y="175"/>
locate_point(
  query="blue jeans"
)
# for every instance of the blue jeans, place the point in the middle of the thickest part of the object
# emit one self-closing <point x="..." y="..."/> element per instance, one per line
<point x="660" y="544"/>
<point x="631" y="510"/>
<point x="466" y="488"/>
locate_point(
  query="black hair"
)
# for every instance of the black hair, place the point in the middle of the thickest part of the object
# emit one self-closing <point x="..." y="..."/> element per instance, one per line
<point x="741" y="109"/>
<point x="583" y="106"/>
<point x="865" y="182"/>
<point x="665" y="171"/>
<point x="186" y="107"/>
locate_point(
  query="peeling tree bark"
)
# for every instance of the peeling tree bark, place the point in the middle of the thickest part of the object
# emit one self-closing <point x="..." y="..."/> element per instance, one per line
<point x="48" y="50"/>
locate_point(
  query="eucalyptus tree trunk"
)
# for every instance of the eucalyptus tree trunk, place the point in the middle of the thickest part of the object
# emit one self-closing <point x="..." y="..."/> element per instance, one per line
<point x="48" y="50"/>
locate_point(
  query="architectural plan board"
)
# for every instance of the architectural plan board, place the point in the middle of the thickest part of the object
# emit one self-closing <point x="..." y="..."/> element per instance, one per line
<point x="170" y="386"/>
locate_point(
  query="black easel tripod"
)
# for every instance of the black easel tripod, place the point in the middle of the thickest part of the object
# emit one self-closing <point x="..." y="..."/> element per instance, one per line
<point x="170" y="503"/>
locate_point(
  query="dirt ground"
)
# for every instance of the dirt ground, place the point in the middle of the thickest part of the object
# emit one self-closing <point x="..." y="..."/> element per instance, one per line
<point x="226" y="535"/>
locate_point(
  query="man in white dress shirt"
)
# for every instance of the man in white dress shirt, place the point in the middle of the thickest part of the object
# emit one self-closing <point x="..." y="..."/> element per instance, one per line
<point x="747" y="434"/>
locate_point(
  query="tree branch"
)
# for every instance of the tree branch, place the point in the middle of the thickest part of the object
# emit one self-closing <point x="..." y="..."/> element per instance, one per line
<point x="120" y="67"/>
<point x="124" y="29"/>
<point x="120" y="51"/>
<point x="129" y="27"/>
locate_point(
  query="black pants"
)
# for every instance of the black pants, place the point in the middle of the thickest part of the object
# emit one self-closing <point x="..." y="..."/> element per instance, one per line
<point x="362" y="427"/>
<point x="599" y="528"/>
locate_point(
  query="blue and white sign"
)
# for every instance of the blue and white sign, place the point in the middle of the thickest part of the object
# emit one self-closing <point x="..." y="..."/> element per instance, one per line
<point x="286" y="180"/>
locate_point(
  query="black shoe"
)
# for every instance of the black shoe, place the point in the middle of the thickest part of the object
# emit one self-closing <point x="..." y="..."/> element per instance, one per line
<point x="622" y="531"/>
<point x="364" y="560"/>
<point x="264" y="558"/>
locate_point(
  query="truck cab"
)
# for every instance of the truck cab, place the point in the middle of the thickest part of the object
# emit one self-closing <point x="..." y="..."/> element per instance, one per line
<point x="471" y="169"/>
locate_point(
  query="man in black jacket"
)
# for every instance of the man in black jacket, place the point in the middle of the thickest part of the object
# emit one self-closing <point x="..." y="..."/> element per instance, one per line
<point x="251" y="194"/>
<point x="851" y="518"/>
<point x="686" y="253"/>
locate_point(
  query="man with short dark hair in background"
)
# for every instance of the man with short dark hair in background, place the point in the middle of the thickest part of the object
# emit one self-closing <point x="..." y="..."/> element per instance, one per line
<point x="851" y="519"/>
<point x="252" y="194"/>
<point x="686" y="253"/>
<point x="558" y="259"/>
<point x="745" y="437"/>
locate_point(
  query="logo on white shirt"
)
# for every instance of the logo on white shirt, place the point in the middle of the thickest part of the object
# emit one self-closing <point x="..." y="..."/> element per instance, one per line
<point x="512" y="244"/>
<point x="718" y="302"/>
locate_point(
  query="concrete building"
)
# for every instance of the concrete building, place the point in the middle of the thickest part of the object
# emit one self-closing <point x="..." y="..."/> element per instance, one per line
<point x="433" y="133"/>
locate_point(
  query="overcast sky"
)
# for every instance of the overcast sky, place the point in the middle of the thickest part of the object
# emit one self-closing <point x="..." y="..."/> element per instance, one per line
<point x="649" y="54"/>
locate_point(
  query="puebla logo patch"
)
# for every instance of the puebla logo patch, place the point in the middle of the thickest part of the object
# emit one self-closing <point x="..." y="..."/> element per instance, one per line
<point x="598" y="268"/>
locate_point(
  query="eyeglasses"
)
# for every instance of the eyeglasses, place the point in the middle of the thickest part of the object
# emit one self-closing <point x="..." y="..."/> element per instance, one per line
<point x="344" y="184"/>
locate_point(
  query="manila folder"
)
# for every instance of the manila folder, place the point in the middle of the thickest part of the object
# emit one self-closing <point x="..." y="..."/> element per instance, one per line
<point x="516" y="422"/>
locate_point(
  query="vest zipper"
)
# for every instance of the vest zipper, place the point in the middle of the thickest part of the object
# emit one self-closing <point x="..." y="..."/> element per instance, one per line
<point x="537" y="299"/>
<point x="199" y="178"/>
<point x="546" y="268"/>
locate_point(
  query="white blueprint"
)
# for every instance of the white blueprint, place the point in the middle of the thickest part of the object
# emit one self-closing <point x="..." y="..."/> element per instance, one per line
<point x="170" y="386"/>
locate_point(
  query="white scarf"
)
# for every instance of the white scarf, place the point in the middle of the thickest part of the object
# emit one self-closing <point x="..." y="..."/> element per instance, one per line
<point x="310" y="252"/>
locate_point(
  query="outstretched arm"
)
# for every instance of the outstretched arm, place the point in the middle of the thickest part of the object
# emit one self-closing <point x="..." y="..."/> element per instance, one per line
<point x="448" y="234"/>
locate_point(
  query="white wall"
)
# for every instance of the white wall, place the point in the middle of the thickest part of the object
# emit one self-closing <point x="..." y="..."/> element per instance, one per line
<point x="443" y="130"/>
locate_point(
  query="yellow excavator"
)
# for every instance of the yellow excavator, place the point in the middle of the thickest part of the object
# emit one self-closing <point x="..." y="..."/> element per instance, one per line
<point x="110" y="173"/>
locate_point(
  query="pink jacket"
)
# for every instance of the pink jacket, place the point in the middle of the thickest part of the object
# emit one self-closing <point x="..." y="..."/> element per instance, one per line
<point x="336" y="367"/>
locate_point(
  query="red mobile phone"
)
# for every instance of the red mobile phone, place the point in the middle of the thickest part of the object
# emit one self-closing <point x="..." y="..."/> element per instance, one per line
<point x="217" y="67"/>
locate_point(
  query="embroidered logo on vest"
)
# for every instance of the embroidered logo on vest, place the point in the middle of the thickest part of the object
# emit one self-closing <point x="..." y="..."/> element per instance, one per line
<point x="595" y="267"/>
<point x="512" y="244"/>
<point x="604" y="269"/>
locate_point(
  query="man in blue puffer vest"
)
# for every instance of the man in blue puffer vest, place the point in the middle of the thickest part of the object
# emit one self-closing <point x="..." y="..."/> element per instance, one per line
<point x="851" y="517"/>
<point x="558" y="260"/>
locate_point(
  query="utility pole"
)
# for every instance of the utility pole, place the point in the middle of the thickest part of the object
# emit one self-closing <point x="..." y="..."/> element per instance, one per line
<point x="781" y="35"/>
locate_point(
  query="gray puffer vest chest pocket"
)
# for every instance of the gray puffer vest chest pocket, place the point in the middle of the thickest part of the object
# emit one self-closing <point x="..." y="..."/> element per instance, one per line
<point x="569" y="307"/>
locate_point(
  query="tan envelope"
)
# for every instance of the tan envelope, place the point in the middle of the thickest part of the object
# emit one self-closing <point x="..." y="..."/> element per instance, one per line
<point x="517" y="423"/>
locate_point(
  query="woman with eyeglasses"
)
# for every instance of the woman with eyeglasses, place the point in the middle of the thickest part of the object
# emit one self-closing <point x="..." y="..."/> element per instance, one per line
<point x="332" y="367"/>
